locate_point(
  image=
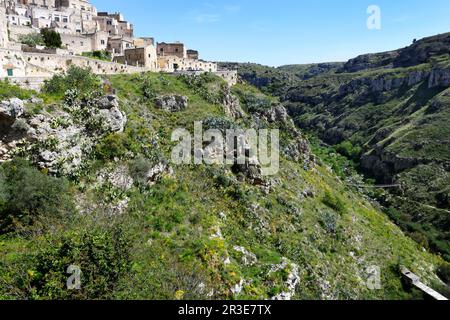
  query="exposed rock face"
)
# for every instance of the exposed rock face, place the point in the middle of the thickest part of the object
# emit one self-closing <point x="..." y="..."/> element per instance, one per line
<point x="114" y="119"/>
<point x="293" y="279"/>
<point x="276" y="114"/>
<point x="368" y="61"/>
<point x="439" y="78"/>
<point x="232" y="106"/>
<point x="157" y="172"/>
<point x="108" y="102"/>
<point x="60" y="142"/>
<point x="299" y="151"/>
<point x="118" y="178"/>
<point x="11" y="109"/>
<point x="248" y="258"/>
<point x="419" y="52"/>
<point x="173" y="103"/>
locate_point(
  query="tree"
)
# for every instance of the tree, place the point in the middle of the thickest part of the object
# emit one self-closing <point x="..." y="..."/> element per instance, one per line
<point x="32" y="39"/>
<point x="52" y="39"/>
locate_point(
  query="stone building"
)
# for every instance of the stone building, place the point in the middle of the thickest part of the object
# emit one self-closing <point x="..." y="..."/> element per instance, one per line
<point x="174" y="64"/>
<point x="192" y="54"/>
<point x="84" y="29"/>
<point x="114" y="24"/>
<point x="143" y="41"/>
<point x="142" y="57"/>
<point x="4" y="39"/>
<point x="118" y="44"/>
<point x="176" y="49"/>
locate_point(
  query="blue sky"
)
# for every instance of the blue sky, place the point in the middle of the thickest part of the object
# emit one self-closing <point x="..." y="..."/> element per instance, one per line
<point x="278" y="32"/>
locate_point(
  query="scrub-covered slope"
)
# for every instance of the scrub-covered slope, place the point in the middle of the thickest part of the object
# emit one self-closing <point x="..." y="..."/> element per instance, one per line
<point x="389" y="113"/>
<point x="89" y="185"/>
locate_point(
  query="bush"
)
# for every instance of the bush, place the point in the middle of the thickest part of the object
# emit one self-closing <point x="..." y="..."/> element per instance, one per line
<point x="257" y="103"/>
<point x="81" y="79"/>
<point x="334" y="202"/>
<point x="112" y="146"/>
<point x="52" y="39"/>
<point x="103" y="257"/>
<point x="32" y="40"/>
<point x="139" y="169"/>
<point x="347" y="149"/>
<point x="27" y="194"/>
<point x="444" y="273"/>
<point x="98" y="54"/>
<point x="9" y="90"/>
<point x="329" y="222"/>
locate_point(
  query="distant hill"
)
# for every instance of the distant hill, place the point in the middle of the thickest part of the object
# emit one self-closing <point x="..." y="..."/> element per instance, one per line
<point x="388" y="112"/>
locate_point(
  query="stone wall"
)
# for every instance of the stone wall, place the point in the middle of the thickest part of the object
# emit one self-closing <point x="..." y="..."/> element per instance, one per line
<point x="171" y="49"/>
<point x="172" y="64"/>
<point x="21" y="64"/>
<point x="77" y="44"/>
<point x="4" y="42"/>
<point x="230" y="76"/>
<point x="145" y="56"/>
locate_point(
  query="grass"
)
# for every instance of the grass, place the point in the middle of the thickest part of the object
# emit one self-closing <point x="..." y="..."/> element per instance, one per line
<point x="168" y="228"/>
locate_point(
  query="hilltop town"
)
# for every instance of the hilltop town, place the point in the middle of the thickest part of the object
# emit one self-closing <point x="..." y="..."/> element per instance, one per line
<point x="85" y="33"/>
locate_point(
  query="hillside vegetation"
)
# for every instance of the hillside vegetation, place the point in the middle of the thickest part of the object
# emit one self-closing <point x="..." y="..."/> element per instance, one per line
<point x="389" y="114"/>
<point x="88" y="182"/>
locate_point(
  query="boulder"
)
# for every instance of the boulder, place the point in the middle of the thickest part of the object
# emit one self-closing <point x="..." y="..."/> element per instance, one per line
<point x="114" y="119"/>
<point x="172" y="103"/>
<point x="108" y="102"/>
<point x="232" y="106"/>
<point x="12" y="108"/>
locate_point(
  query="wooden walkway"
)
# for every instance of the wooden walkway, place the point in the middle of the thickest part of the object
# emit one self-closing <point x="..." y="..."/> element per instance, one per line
<point x="415" y="281"/>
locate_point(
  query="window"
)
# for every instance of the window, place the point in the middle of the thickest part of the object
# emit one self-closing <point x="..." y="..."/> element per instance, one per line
<point x="10" y="72"/>
<point x="65" y="20"/>
<point x="162" y="49"/>
<point x="102" y="41"/>
<point x="57" y="19"/>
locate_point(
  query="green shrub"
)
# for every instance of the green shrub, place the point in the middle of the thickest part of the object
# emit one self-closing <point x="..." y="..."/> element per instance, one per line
<point x="444" y="272"/>
<point x="334" y="202"/>
<point x="32" y="39"/>
<point x="139" y="169"/>
<point x="148" y="89"/>
<point x="52" y="39"/>
<point x="27" y="194"/>
<point x="347" y="149"/>
<point x="75" y="78"/>
<point x="112" y="146"/>
<point x="257" y="103"/>
<point x="9" y="90"/>
<point x="98" y="54"/>
<point x="103" y="257"/>
<point x="329" y="221"/>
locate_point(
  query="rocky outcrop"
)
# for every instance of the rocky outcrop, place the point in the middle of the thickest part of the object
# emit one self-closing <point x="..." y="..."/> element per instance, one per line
<point x="157" y="172"/>
<point x="439" y="78"/>
<point x="275" y="114"/>
<point x="299" y="151"/>
<point x="370" y="61"/>
<point x="232" y="106"/>
<point x="384" y="165"/>
<point x="60" y="142"/>
<point x="11" y="109"/>
<point x="293" y="279"/>
<point x="113" y="119"/>
<point x="172" y="103"/>
<point x="107" y="102"/>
